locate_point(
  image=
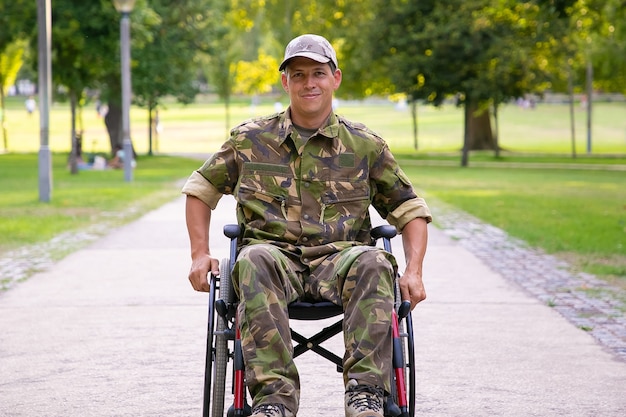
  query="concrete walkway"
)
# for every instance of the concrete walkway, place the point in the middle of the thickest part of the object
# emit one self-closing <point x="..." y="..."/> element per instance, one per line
<point x="116" y="330"/>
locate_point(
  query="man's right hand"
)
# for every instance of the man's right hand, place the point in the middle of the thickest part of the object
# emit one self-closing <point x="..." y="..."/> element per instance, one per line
<point x="199" y="271"/>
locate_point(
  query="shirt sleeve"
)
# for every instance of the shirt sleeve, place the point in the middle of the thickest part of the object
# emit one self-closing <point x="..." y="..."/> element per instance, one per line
<point x="396" y="199"/>
<point x="409" y="210"/>
<point x="200" y="187"/>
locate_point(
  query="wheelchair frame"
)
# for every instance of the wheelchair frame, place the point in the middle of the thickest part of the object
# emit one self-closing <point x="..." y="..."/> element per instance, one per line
<point x="224" y="344"/>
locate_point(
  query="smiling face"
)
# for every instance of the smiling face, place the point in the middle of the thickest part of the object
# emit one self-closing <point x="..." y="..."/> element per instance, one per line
<point x="310" y="86"/>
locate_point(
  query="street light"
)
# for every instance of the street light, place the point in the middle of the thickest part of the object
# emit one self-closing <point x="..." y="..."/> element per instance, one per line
<point x="125" y="7"/>
<point x="44" y="21"/>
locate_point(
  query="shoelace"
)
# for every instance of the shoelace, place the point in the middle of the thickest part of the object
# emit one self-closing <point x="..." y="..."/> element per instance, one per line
<point x="270" y="409"/>
<point x="364" y="401"/>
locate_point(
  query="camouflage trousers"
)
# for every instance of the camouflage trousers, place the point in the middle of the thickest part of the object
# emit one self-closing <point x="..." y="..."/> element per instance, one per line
<point x="267" y="279"/>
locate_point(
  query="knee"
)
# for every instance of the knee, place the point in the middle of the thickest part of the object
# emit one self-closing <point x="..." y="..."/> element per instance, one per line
<point x="256" y="255"/>
<point x="379" y="265"/>
<point x="374" y="273"/>
<point x="255" y="266"/>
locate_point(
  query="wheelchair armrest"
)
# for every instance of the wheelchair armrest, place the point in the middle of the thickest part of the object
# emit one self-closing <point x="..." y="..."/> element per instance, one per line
<point x="232" y="231"/>
<point x="386" y="231"/>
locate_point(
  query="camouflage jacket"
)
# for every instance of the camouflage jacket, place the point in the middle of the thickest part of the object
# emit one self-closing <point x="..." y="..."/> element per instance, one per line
<point x="308" y="197"/>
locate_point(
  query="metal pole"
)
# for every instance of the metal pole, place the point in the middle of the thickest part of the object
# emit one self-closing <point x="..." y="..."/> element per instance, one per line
<point x="44" y="21"/>
<point x="126" y="92"/>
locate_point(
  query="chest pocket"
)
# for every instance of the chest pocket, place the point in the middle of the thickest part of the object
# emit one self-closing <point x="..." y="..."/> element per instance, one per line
<point x="264" y="189"/>
<point x="346" y="193"/>
<point x="345" y="201"/>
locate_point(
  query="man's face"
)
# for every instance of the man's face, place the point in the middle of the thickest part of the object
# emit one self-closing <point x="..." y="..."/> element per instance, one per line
<point x="310" y="86"/>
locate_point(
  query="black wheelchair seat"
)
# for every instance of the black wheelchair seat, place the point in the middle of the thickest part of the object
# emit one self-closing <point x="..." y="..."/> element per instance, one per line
<point x="302" y="310"/>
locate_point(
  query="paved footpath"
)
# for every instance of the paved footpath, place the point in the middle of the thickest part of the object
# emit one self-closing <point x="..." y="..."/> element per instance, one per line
<point x="115" y="329"/>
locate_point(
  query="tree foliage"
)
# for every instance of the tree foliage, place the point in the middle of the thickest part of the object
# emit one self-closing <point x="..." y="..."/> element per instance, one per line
<point x="606" y="38"/>
<point x="480" y="52"/>
<point x="165" y="64"/>
<point x="256" y="77"/>
<point x="17" y="18"/>
<point x="477" y="52"/>
<point x="10" y="64"/>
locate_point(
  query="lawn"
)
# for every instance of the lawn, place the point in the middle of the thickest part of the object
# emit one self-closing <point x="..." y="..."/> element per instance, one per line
<point x="82" y="200"/>
<point x="201" y="127"/>
<point x="578" y="215"/>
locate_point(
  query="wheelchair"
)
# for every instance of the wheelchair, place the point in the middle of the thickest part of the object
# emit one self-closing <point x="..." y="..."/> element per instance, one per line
<point x="224" y="344"/>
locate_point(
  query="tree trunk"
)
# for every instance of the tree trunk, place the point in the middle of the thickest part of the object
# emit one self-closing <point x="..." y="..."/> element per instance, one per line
<point x="497" y="127"/>
<point x="74" y="148"/>
<point x="570" y="90"/>
<point x="479" y="129"/>
<point x="466" y="135"/>
<point x="227" y="112"/>
<point x="157" y="129"/>
<point x="3" y="128"/>
<point x="113" y="122"/>
<point x="150" y="128"/>
<point x="414" y="114"/>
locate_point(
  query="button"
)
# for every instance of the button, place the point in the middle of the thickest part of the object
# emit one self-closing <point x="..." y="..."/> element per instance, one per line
<point x="306" y="217"/>
<point x="307" y="184"/>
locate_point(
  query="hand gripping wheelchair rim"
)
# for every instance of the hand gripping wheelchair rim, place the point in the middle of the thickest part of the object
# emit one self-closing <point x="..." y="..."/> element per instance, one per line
<point x="223" y="342"/>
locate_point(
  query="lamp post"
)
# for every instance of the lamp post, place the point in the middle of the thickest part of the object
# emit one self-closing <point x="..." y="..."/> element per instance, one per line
<point x="125" y="7"/>
<point x="44" y="19"/>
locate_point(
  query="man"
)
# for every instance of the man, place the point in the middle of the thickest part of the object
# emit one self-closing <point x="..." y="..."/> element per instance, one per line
<point x="304" y="180"/>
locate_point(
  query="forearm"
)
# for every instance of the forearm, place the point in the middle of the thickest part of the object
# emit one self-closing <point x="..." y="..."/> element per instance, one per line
<point x="198" y="218"/>
<point x="414" y="241"/>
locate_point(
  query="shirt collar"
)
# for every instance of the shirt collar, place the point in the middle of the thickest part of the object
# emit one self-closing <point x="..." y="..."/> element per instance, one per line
<point x="329" y="130"/>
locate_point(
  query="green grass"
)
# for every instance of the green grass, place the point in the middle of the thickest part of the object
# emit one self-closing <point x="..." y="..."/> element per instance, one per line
<point x="201" y="127"/>
<point x="81" y="200"/>
<point x="577" y="214"/>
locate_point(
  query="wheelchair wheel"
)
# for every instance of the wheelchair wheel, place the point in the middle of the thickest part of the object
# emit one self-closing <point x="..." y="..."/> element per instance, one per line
<point x="405" y="328"/>
<point x="221" y="344"/>
<point x="410" y="363"/>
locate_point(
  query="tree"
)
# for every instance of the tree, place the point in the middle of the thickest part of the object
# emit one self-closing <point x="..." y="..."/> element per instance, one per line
<point x="10" y="64"/>
<point x="256" y="77"/>
<point x="71" y="69"/>
<point x="108" y="82"/>
<point x="166" y="37"/>
<point x="608" y="44"/>
<point x="586" y="23"/>
<point x="82" y="53"/>
<point x="565" y="59"/>
<point x="17" y="18"/>
<point x="166" y="65"/>
<point x="220" y="48"/>
<point x="344" y="24"/>
<point x="479" y="52"/>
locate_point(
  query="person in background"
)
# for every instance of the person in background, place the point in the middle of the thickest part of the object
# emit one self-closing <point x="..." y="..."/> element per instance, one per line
<point x="118" y="159"/>
<point x="30" y="105"/>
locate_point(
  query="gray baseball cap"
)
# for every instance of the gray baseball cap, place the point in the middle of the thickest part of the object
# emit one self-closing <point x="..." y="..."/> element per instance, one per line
<point x="310" y="46"/>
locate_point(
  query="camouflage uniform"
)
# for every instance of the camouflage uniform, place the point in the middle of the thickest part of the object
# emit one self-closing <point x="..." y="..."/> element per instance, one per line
<point x="303" y="205"/>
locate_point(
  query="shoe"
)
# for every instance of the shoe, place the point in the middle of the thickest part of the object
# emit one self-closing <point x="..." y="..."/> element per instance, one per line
<point x="363" y="400"/>
<point x="271" y="410"/>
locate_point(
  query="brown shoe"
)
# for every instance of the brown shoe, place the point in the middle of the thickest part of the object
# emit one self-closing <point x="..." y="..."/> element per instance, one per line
<point x="271" y="410"/>
<point x="363" y="400"/>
